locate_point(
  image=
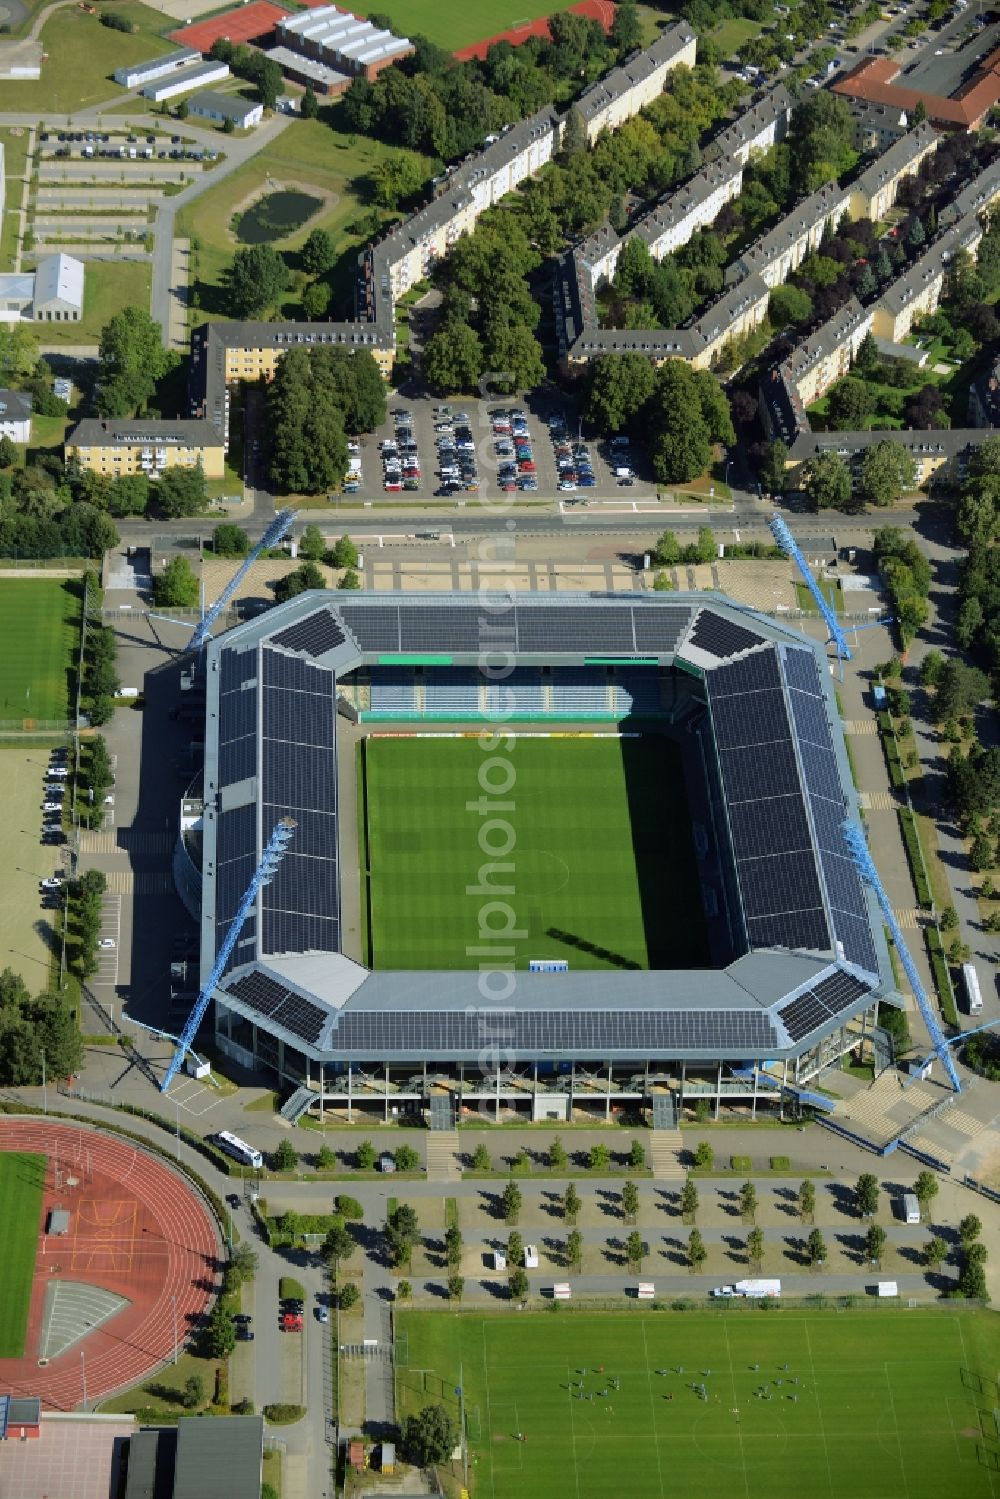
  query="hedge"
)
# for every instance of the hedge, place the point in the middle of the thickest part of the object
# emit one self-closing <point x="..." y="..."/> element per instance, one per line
<point x="914" y="854"/>
<point x="283" y="1415"/>
<point x="942" y="978"/>
<point x="891" y="751"/>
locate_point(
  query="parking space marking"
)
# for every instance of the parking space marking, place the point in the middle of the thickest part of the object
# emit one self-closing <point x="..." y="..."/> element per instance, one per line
<point x="111" y="921"/>
<point x="198" y="1100"/>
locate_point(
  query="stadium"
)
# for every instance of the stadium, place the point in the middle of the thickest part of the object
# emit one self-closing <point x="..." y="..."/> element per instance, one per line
<point x="553" y="856"/>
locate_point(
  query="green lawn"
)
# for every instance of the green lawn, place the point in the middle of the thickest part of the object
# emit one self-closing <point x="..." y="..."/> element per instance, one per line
<point x="889" y="1404"/>
<point x="22" y="1178"/>
<point x="603" y="865"/>
<point x="308" y="153"/>
<point x="40" y="630"/>
<point x="81" y="55"/>
<point x="454" y="24"/>
<point x="732" y="33"/>
<point x="26" y="931"/>
<point x="108" y="286"/>
<point x="15" y="151"/>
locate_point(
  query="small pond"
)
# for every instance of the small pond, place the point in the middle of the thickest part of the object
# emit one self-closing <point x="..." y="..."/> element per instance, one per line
<point x="275" y="216"/>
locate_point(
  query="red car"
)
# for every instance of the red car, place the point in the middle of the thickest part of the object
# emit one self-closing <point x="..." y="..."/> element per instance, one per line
<point x="526" y="466"/>
<point x="291" y="1321"/>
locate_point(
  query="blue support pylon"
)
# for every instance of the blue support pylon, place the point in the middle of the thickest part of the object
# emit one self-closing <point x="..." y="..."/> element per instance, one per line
<point x="263" y="875"/>
<point x="275" y="532"/>
<point x="786" y="541"/>
<point x="855" y="840"/>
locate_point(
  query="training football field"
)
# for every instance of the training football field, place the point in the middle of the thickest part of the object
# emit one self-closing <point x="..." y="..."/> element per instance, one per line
<point x="22" y="1179"/>
<point x="40" y="632"/>
<point x="861" y="1405"/>
<point x="595" y="831"/>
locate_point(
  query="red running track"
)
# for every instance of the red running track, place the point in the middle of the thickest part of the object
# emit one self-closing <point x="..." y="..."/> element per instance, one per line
<point x="136" y="1228"/>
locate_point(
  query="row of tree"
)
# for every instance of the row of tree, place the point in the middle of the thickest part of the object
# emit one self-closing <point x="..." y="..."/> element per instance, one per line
<point x="317" y="397"/>
<point x="33" y="1027"/>
<point x="680" y="413"/>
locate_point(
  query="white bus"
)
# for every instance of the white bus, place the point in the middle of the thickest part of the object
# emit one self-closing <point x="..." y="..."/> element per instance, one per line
<point x="239" y="1149"/>
<point x="971" y="980"/>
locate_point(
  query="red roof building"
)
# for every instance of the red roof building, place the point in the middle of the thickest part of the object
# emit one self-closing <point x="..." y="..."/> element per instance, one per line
<point x="873" y="81"/>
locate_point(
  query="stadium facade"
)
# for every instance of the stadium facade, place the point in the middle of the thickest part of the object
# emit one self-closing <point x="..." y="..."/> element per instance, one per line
<point x="798" y="952"/>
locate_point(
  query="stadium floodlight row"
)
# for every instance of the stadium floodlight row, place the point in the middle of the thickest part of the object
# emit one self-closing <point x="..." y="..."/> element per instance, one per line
<point x="796" y="939"/>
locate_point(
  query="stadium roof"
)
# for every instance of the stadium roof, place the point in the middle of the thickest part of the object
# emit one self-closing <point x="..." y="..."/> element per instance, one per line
<point x="811" y="938"/>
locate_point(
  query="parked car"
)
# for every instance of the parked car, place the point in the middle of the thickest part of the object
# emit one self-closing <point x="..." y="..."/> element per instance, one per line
<point x="52" y="883"/>
<point x="106" y="944"/>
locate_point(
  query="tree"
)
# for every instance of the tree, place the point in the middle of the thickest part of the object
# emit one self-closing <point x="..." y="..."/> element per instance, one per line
<point x="318" y="253"/>
<point x="244" y="1261"/>
<point x="969" y="1230"/>
<point x="177" y="586"/>
<point x="403" y="1290"/>
<point x="866" y="1195"/>
<point x="598" y="1158"/>
<point x="316" y="301"/>
<point x="431" y="1436"/>
<point x="630" y="1201"/>
<point x="637" y="1155"/>
<point x="406" y="1158"/>
<point x="960" y="690"/>
<point x="748" y="1200"/>
<point x="755" y="1246"/>
<point x="635" y="1250"/>
<point x="772" y="470"/>
<point x="221" y="1332"/>
<point x="704" y="1156"/>
<point x="887" y="470"/>
<point x="626" y="30"/>
<point x="453" y="358"/>
<point x="815" y="1247"/>
<point x="689" y="1201"/>
<point x="309" y="108"/>
<point x="789" y="304"/>
<point x="456" y="1286"/>
<point x="510" y="1202"/>
<point x="574" y="134"/>
<point x="229" y="540"/>
<point x="574" y="1250"/>
<point x="348" y="1296"/>
<point x="401" y="1231"/>
<point x="850" y="401"/>
<point x="194" y="1392"/>
<point x="300" y="580"/>
<point x="131" y="360"/>
<point x="307" y="418"/>
<point x="312" y="544"/>
<point x="515" y="1249"/>
<point x="679" y="440"/>
<point x="344" y="553"/>
<point x="571" y="1203"/>
<point x="453" y="1246"/>
<point x="481" y="1160"/>
<point x="925" y="1189"/>
<point x="935" y="1252"/>
<point x="828" y="482"/>
<point x="255" y="281"/>
<point x="397" y="177"/>
<point x="337" y="1245"/>
<point x="365" y="1156"/>
<point x="286" y="1157"/>
<point x="182" y="492"/>
<point x="875" y="1243"/>
<point x="517" y="1285"/>
<point x="557" y="1155"/>
<point x="696" y="1251"/>
<point x="8" y="452"/>
<point x="617" y="390"/>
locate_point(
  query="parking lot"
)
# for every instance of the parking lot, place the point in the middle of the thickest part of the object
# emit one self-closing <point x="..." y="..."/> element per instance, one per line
<point x="500" y="449"/>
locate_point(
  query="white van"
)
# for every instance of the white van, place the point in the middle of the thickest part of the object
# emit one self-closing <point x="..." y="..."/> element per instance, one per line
<point x="911" y="1208"/>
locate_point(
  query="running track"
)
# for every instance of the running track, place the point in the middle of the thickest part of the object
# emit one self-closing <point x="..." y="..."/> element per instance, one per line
<point x="594" y="10"/>
<point x="170" y="1251"/>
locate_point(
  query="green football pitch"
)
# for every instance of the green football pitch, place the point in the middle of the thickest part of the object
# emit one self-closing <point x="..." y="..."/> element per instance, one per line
<point x="22" y="1178"/>
<point x="862" y="1405"/>
<point x="595" y="829"/>
<point x="454" y="24"/>
<point x="40" y="631"/>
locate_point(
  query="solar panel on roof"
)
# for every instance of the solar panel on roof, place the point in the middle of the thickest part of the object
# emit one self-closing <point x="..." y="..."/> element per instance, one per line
<point x="235" y="668"/>
<point x="721" y="637"/>
<point x="754" y="673"/>
<point x="639" y="1032"/>
<point x="803" y="1015"/>
<point x="856" y="937"/>
<point x="779" y="883"/>
<point x="315" y="634"/>
<point x="575" y="629"/>
<point x="748" y="775"/>
<point x="839" y="990"/>
<point x="843" y="884"/>
<point x="774" y="825"/>
<point x="805" y="929"/>
<point x="298" y="717"/>
<point x="282" y="1006"/>
<point x="658" y="628"/>
<point x="443" y="628"/>
<point x="802" y="671"/>
<point x="821" y="773"/>
<point x="375" y="628"/>
<point x="810" y="718"/>
<point x="237" y="760"/>
<point x="758" y="718"/>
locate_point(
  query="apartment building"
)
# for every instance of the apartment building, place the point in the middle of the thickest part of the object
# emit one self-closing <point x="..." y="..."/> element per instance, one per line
<point x="146" y="447"/>
<point x="876" y="190"/>
<point x="782" y="250"/>
<point x="808" y="372"/>
<point x="757" y="129"/>
<point x="876" y="126"/>
<point x="15" y="415"/>
<point x="918" y="291"/>
<point x="639" y="80"/>
<point x="941" y="454"/>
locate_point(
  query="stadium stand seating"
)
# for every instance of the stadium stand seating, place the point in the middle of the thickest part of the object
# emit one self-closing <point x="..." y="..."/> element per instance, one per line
<point x="521" y="692"/>
<point x="393" y="690"/>
<point x="636" y="692"/>
<point x="576" y="691"/>
<point x="451" y="691"/>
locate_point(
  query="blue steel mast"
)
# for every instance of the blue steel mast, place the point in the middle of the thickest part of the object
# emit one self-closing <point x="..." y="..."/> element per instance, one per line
<point x="790" y="547"/>
<point x="855" y="840"/>
<point x="278" y="529"/>
<point x="263" y="875"/>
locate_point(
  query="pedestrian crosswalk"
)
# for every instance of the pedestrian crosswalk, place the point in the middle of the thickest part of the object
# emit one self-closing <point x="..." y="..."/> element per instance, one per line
<point x="911" y="918"/>
<point x="877" y="801"/>
<point x="862" y="728"/>
<point x="114" y="840"/>
<point x="125" y="882"/>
